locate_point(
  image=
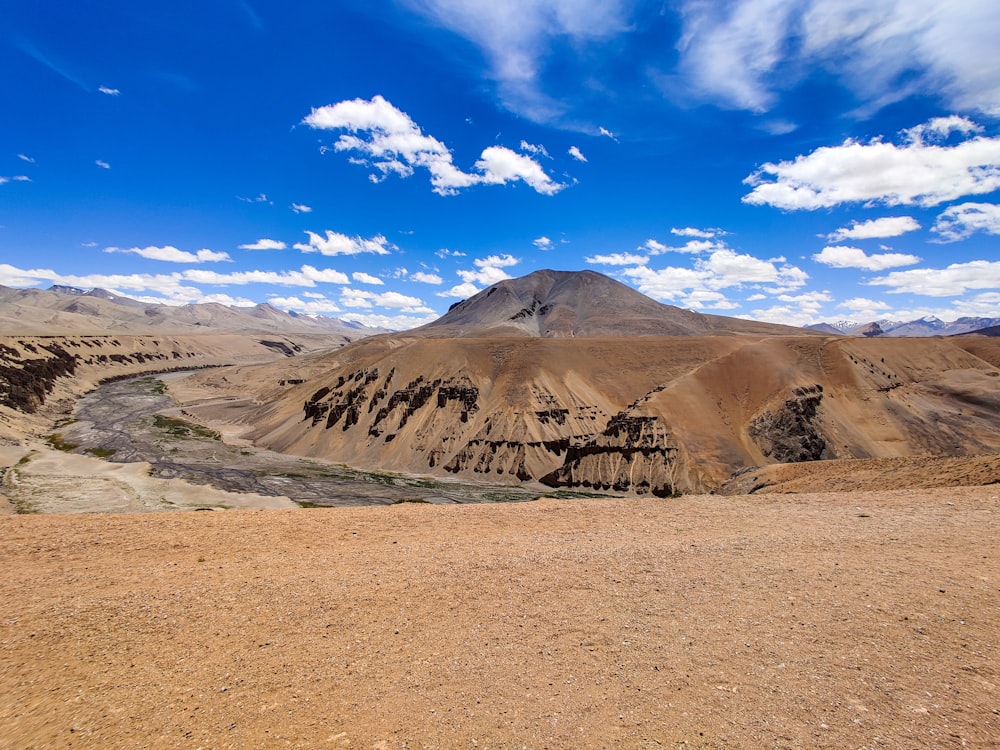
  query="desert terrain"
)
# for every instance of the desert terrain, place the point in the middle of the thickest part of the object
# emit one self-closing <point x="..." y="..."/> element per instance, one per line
<point x="831" y="620"/>
<point x="839" y="588"/>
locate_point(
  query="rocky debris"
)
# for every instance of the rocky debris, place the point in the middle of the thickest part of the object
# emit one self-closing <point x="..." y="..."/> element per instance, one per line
<point x="789" y="434"/>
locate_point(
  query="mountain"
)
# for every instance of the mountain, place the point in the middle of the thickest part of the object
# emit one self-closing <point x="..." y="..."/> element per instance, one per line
<point x="567" y="304"/>
<point x="68" y="310"/>
<point x="556" y="378"/>
<point x="927" y="326"/>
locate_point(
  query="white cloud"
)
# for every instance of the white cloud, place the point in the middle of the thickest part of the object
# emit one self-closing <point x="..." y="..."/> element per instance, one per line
<point x="102" y="164"/>
<point x="951" y="281"/>
<point x="390" y="322"/>
<point x="691" y="247"/>
<point x="704" y="234"/>
<point x="535" y="149"/>
<point x="516" y="35"/>
<point x="841" y="256"/>
<point x="576" y="153"/>
<point x="108" y="91"/>
<point x="392" y="143"/>
<point x="446" y="253"/>
<point x="28" y="159"/>
<point x="301" y="208"/>
<point x="307" y="276"/>
<point x="618" y="259"/>
<point x="21" y="178"/>
<point x="723" y="269"/>
<point x="392" y="300"/>
<point x="744" y="53"/>
<point x="463" y="290"/>
<point x="260" y="198"/>
<point x="426" y="278"/>
<point x="607" y="133"/>
<point x="915" y="172"/>
<point x="888" y="226"/>
<point x="542" y="243"/>
<point x="316" y="304"/>
<point x="171" y="254"/>
<point x="336" y="243"/>
<point x="962" y="221"/>
<point x="366" y="278"/>
<point x="499" y="261"/>
<point x="265" y="244"/>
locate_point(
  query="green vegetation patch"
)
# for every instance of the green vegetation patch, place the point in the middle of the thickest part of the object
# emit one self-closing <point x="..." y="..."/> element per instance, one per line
<point x="183" y="430"/>
<point x="55" y="440"/>
<point x="100" y="452"/>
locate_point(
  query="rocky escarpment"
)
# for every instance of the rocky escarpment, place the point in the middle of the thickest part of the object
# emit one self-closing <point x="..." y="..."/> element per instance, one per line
<point x="789" y="434"/>
<point x="633" y="453"/>
<point x="40" y="376"/>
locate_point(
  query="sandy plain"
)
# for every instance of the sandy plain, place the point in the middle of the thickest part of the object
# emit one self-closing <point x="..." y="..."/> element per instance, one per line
<point x="838" y="620"/>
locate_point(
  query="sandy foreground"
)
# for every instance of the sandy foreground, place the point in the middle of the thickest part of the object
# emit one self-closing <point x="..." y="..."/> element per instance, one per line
<point x="841" y="620"/>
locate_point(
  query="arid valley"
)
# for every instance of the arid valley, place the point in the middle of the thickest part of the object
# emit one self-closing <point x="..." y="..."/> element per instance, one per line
<point x="562" y="516"/>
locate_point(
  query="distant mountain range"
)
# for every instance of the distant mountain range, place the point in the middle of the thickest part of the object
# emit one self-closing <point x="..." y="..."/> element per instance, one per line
<point x="926" y="326"/>
<point x="68" y="310"/>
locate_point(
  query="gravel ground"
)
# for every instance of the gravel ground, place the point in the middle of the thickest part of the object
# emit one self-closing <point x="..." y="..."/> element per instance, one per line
<point x="841" y="620"/>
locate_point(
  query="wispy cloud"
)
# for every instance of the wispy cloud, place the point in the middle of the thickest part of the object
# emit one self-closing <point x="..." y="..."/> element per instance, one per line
<point x="745" y="53"/>
<point x="171" y="254"/>
<point x="576" y="153"/>
<point x="259" y="198"/>
<point x="52" y="64"/>
<point x="102" y="164"/>
<point x="108" y="91"/>
<point x="28" y="159"/>
<point x="301" y="208"/>
<point x="393" y="144"/>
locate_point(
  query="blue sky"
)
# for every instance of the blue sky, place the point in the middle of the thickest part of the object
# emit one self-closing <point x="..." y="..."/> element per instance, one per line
<point x="786" y="160"/>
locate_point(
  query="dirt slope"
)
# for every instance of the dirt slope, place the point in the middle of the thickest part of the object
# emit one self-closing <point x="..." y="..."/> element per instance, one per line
<point x="821" y="621"/>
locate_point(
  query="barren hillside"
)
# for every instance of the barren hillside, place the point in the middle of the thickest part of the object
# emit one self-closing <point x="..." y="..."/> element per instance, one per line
<point x="656" y="414"/>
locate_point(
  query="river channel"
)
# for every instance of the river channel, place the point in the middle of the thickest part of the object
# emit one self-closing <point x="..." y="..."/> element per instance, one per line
<point x="137" y="420"/>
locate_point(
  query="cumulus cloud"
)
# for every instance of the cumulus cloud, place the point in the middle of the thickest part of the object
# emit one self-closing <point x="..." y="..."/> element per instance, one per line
<point x="953" y="280"/>
<point x="389" y="322"/>
<point x="743" y="54"/>
<point x="307" y="276"/>
<point x="171" y="254"/>
<point x="391" y="300"/>
<point x="108" y="91"/>
<point x="842" y="256"/>
<point x="704" y="234"/>
<point x="426" y="278"/>
<point x="265" y="244"/>
<point x="446" y="253"/>
<point x="542" y="243"/>
<point x="722" y="269"/>
<point x="335" y="243"/>
<point x="463" y="290"/>
<point x="392" y="143"/>
<point x="576" y="153"/>
<point x="366" y="278"/>
<point x="618" y="259"/>
<point x="691" y="247"/>
<point x="487" y="271"/>
<point x="315" y="305"/>
<point x="917" y="171"/>
<point x="962" y="221"/>
<point x="889" y="226"/>
<point x="301" y="208"/>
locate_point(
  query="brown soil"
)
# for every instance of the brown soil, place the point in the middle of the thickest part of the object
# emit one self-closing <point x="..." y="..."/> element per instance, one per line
<point x="841" y="620"/>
